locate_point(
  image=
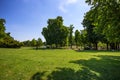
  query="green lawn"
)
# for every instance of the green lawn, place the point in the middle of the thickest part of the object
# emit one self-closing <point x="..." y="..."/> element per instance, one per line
<point x="58" y="64"/>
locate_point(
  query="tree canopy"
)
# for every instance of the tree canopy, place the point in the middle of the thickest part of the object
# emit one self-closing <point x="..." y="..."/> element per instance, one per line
<point x="77" y="37"/>
<point x="103" y="20"/>
<point x="71" y="35"/>
<point x="5" y="39"/>
<point x="2" y="28"/>
<point x="55" y="33"/>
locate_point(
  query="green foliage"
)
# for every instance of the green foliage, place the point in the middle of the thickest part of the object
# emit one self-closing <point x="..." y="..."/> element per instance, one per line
<point x="39" y="42"/>
<point x="10" y="43"/>
<point x="92" y="36"/>
<point x="70" y="35"/>
<point x="104" y="15"/>
<point x="33" y="42"/>
<point x="84" y="37"/>
<point x="26" y="43"/>
<point x="6" y="40"/>
<point x="2" y="28"/>
<point x="55" y="33"/>
<point x="29" y="64"/>
<point x="77" y="38"/>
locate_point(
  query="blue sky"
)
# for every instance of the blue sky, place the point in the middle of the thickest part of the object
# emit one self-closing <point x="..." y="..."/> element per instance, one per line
<point x="26" y="18"/>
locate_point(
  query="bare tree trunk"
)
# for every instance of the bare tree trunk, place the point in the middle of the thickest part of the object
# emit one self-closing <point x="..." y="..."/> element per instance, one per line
<point x="96" y="46"/>
<point x="116" y="46"/>
<point x="119" y="46"/>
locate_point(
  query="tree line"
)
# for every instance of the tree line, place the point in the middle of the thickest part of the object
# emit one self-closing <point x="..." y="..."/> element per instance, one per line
<point x="33" y="43"/>
<point x="101" y="28"/>
<point x="58" y="35"/>
<point x="7" y="41"/>
<point x="102" y="24"/>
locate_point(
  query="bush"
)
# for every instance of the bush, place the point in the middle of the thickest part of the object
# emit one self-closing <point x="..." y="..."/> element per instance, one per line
<point x="10" y="43"/>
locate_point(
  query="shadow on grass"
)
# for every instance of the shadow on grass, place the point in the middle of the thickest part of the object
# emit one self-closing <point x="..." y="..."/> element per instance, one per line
<point x="67" y="74"/>
<point x="71" y="74"/>
<point x="95" y="51"/>
<point x="38" y="76"/>
<point x="105" y="68"/>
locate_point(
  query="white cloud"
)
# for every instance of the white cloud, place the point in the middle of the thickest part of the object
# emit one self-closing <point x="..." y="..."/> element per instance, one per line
<point x="65" y="3"/>
<point x="61" y="7"/>
<point x="71" y="1"/>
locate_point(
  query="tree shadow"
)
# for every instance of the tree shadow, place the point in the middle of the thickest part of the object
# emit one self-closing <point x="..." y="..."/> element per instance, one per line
<point x="37" y="76"/>
<point x="88" y="51"/>
<point x="67" y="74"/>
<point x="71" y="74"/>
<point x="95" y="51"/>
<point x="107" y="66"/>
<point x="101" y="68"/>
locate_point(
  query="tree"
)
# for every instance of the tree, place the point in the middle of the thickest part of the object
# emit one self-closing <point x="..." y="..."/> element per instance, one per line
<point x="70" y="35"/>
<point x="92" y="36"/>
<point x="2" y="28"/>
<point x="33" y="42"/>
<point x="83" y="38"/>
<point x="77" y="38"/>
<point x="39" y="43"/>
<point x="55" y="33"/>
<point x="6" y="40"/>
<point x="46" y="35"/>
<point x="106" y="16"/>
<point x="27" y="43"/>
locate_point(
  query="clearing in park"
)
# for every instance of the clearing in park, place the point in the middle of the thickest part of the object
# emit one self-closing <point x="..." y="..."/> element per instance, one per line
<point x="58" y="64"/>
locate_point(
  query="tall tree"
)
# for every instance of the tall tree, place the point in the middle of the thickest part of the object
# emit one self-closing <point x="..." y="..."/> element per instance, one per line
<point x="2" y="28"/>
<point x="92" y="36"/>
<point x="55" y="33"/>
<point x="77" y="38"/>
<point x="70" y="35"/>
<point x="33" y="42"/>
<point x="39" y="43"/>
<point x="83" y="38"/>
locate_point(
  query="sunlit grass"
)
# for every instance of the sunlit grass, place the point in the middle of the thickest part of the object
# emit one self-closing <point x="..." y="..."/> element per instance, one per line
<point x="58" y="64"/>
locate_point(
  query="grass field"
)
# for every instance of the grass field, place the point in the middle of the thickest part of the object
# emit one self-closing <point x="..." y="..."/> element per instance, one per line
<point x="58" y="64"/>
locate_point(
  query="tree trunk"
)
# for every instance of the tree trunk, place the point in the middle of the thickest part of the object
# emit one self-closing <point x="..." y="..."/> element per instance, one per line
<point x="76" y="45"/>
<point x="96" y="46"/>
<point x="107" y="45"/>
<point x="36" y="47"/>
<point x="112" y="46"/>
<point x="119" y="46"/>
<point x="71" y="46"/>
<point x="90" y="46"/>
<point x="116" y="46"/>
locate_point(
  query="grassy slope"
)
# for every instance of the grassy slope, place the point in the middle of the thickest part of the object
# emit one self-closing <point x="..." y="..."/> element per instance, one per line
<point x="28" y="64"/>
